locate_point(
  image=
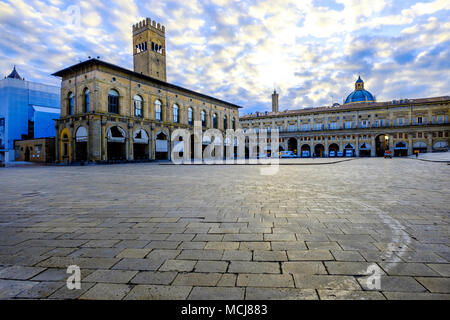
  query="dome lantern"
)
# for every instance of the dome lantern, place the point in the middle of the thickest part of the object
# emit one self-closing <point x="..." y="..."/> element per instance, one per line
<point x="360" y="95"/>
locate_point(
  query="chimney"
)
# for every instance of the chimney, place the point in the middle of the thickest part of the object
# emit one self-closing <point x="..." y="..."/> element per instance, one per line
<point x="275" y="101"/>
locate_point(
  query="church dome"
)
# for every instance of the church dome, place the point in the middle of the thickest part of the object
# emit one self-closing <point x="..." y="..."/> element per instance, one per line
<point x="360" y="95"/>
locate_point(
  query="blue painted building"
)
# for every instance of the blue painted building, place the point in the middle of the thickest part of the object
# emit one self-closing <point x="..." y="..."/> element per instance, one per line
<point x="27" y="111"/>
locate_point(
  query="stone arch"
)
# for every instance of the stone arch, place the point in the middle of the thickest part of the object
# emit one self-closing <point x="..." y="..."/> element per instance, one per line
<point x="333" y="149"/>
<point x="116" y="143"/>
<point x="292" y="145"/>
<point x="141" y="146"/>
<point x="65" y="146"/>
<point x="162" y="143"/>
<point x="440" y="146"/>
<point x="81" y="144"/>
<point x="305" y="151"/>
<point x="319" y="150"/>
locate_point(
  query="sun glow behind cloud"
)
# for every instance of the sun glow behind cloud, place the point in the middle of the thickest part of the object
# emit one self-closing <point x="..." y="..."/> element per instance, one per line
<point x="310" y="50"/>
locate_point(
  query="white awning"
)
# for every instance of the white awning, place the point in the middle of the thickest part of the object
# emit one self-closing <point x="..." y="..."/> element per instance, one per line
<point x="140" y="136"/>
<point x="400" y="146"/>
<point x="81" y="135"/>
<point x="116" y="139"/>
<point x="161" y="146"/>
<point x="440" y="145"/>
<point x="419" y="144"/>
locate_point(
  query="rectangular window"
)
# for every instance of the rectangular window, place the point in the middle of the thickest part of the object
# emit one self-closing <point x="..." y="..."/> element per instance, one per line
<point x="113" y="104"/>
<point x="440" y="119"/>
<point x="138" y="108"/>
<point x="400" y="121"/>
<point x="175" y="115"/>
<point x="419" y="120"/>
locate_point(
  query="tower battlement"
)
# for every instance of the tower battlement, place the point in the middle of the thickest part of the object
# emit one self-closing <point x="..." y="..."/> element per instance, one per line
<point x="149" y="24"/>
<point x="149" y="49"/>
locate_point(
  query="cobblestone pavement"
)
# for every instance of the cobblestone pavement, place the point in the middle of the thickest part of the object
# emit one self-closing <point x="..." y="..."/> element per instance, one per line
<point x="149" y="231"/>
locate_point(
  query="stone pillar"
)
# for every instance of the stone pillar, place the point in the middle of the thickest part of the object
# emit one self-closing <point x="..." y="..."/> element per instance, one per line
<point x="372" y="147"/>
<point x="357" y="146"/>
<point x="410" y="143"/>
<point x="430" y="142"/>
<point x="129" y="140"/>
<point x="103" y="141"/>
<point x="299" y="153"/>
<point x="169" y="145"/>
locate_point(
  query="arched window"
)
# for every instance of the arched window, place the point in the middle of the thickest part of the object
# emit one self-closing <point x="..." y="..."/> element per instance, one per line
<point x="113" y="101"/>
<point x="87" y="100"/>
<point x="175" y="113"/>
<point x="233" y="123"/>
<point x="215" y="121"/>
<point x="70" y="104"/>
<point x="190" y="116"/>
<point x="138" y="106"/>
<point x="158" y="113"/>
<point x="225" y="123"/>
<point x="203" y="114"/>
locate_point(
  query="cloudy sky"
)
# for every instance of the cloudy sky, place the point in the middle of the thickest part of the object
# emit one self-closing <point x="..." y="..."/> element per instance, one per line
<point x="310" y="50"/>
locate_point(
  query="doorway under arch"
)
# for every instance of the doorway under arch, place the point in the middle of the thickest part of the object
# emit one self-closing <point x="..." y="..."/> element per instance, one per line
<point x="81" y="138"/>
<point x="381" y="144"/>
<point x="140" y="145"/>
<point x="305" y="151"/>
<point x="420" y="147"/>
<point x="27" y="154"/>
<point x="400" y="149"/>
<point x="162" y="147"/>
<point x="116" y="144"/>
<point x="292" y="145"/>
<point x="349" y="150"/>
<point x="364" y="150"/>
<point x="319" y="151"/>
<point x="333" y="149"/>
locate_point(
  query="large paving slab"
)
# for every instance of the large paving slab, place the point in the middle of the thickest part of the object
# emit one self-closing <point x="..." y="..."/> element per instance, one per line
<point x="150" y="231"/>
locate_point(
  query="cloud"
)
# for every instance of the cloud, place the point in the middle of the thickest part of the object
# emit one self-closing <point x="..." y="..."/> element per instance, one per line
<point x="310" y="50"/>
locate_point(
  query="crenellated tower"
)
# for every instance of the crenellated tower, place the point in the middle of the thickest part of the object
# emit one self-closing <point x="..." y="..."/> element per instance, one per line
<point x="149" y="49"/>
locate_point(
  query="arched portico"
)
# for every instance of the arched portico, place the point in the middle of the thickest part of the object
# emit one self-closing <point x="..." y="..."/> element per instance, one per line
<point x="141" y="146"/>
<point x="81" y="144"/>
<point x="305" y="151"/>
<point x="116" y="146"/>
<point x="349" y="150"/>
<point x="319" y="150"/>
<point x="400" y="149"/>
<point x="333" y="150"/>
<point x="161" y="146"/>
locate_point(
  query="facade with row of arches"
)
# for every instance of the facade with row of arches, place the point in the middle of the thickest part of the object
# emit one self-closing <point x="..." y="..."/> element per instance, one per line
<point x="113" y="114"/>
<point x="360" y="127"/>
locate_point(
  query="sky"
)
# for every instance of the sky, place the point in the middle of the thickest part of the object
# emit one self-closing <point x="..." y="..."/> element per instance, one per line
<point x="310" y="51"/>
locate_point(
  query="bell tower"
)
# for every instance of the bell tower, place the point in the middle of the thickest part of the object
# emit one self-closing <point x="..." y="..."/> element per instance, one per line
<point x="275" y="101"/>
<point x="149" y="49"/>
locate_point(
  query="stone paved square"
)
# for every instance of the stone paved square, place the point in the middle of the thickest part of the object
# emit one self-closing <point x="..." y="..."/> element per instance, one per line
<point x="160" y="231"/>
